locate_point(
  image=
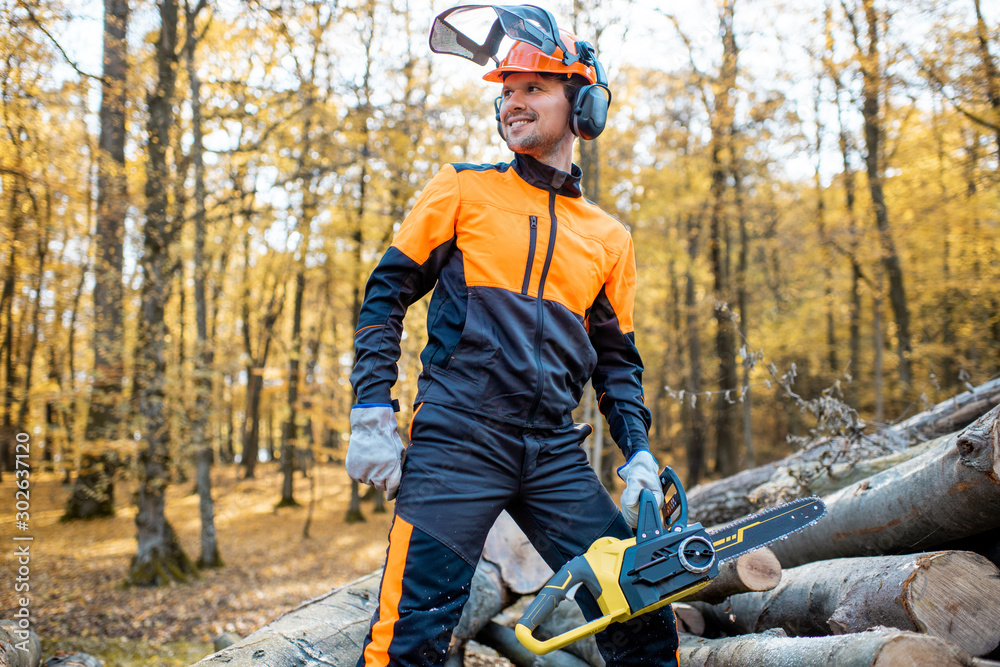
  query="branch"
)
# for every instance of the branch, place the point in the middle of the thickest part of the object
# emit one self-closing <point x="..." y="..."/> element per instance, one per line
<point x="55" y="42"/>
<point x="941" y="85"/>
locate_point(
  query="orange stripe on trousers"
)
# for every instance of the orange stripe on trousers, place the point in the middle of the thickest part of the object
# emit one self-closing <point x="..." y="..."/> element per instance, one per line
<point x="377" y="652"/>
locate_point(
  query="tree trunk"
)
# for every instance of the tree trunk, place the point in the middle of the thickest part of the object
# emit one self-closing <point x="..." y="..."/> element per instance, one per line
<point x="204" y="356"/>
<point x="7" y="296"/>
<point x="28" y="356"/>
<point x="954" y="595"/>
<point x="991" y="75"/>
<point x="871" y="90"/>
<point x="882" y="647"/>
<point x="889" y="512"/>
<point x="103" y="413"/>
<point x="159" y="558"/>
<point x="727" y="457"/>
<point x="290" y="435"/>
<point x="251" y="421"/>
<point x="689" y="406"/>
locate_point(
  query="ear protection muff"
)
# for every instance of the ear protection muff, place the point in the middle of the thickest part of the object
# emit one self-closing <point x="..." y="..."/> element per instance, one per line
<point x="496" y="106"/>
<point x="590" y="111"/>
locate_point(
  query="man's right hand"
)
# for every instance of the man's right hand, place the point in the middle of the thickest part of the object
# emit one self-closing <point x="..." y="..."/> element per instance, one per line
<point x="374" y="454"/>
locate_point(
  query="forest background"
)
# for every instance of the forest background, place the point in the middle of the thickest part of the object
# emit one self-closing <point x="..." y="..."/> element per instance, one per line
<point x="188" y="223"/>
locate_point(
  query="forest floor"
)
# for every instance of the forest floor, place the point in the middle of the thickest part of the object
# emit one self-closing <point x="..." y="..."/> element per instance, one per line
<point x="77" y="601"/>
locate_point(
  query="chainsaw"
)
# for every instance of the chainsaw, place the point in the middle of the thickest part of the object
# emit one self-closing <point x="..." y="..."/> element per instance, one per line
<point x="667" y="560"/>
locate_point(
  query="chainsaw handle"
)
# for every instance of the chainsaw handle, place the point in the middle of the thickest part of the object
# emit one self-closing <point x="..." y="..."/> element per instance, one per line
<point x="677" y="502"/>
<point x="574" y="572"/>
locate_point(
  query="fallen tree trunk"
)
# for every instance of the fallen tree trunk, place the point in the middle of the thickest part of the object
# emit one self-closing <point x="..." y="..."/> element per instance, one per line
<point x="881" y="647"/>
<point x="726" y="499"/>
<point x="947" y="493"/>
<point x="328" y="630"/>
<point x="955" y="413"/>
<point x="19" y="647"/>
<point x="789" y="482"/>
<point x="953" y="595"/>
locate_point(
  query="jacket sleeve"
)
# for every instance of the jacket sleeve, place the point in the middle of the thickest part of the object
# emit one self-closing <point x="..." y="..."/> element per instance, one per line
<point x="617" y="379"/>
<point x="406" y="272"/>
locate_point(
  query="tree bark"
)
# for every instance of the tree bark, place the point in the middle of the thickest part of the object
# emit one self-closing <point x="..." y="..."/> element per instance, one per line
<point x="204" y="355"/>
<point x="103" y="415"/>
<point x="159" y="557"/>
<point x="18" y="647"/>
<point x="330" y="630"/>
<point x="727" y="458"/>
<point x="889" y="512"/>
<point x="881" y="647"/>
<point x="990" y="74"/>
<point x="954" y="595"/>
<point x="290" y="434"/>
<point x="871" y="90"/>
<point x="694" y="419"/>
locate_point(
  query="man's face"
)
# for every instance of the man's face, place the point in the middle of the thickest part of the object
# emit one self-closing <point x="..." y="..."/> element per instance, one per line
<point x="534" y="114"/>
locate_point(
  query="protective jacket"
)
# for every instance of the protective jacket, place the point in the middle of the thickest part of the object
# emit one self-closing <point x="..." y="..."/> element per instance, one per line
<point x="533" y="295"/>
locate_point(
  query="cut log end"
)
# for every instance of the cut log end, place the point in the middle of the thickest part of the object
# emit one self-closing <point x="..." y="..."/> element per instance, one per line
<point x="913" y="649"/>
<point x="955" y="595"/>
<point x="759" y="570"/>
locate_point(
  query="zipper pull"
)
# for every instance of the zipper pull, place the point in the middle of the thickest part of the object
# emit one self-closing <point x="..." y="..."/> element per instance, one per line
<point x="533" y="220"/>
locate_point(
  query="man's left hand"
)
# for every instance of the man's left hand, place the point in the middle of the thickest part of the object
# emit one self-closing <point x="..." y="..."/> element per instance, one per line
<point x="641" y="472"/>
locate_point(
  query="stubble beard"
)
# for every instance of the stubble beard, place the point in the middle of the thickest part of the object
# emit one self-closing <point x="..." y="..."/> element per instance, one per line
<point x="533" y="144"/>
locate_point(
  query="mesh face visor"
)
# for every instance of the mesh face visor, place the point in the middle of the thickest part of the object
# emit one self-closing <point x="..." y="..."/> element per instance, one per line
<point x="475" y="32"/>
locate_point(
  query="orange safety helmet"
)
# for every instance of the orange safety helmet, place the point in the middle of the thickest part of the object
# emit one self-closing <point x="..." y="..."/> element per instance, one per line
<point x="524" y="57"/>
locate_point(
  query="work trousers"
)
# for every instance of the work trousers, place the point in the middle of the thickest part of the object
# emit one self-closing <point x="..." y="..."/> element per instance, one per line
<point x="462" y="470"/>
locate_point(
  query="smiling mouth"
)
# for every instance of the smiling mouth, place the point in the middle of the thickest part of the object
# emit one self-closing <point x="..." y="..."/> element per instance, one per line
<point x="518" y="123"/>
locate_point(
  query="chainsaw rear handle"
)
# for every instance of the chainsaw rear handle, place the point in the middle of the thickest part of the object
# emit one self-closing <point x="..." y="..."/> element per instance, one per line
<point x="675" y="504"/>
<point x="576" y="571"/>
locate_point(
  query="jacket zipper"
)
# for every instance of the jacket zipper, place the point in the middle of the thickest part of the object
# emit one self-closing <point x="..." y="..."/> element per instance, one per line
<point x="541" y="309"/>
<point x="533" y="221"/>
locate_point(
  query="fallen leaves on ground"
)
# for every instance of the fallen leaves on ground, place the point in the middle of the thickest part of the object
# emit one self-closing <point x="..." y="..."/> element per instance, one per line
<point x="77" y="568"/>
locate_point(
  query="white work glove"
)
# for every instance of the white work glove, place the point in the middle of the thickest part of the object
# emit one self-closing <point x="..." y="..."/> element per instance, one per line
<point x="374" y="453"/>
<point x="641" y="472"/>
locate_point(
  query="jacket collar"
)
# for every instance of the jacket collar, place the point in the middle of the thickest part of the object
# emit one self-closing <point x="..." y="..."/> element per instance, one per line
<point x="548" y="178"/>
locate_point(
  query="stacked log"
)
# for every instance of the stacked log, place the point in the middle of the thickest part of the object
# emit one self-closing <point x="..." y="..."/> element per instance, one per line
<point x="953" y="595"/>
<point x="729" y="498"/>
<point x="878" y="647"/>
<point x="951" y="491"/>
<point x="903" y="569"/>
